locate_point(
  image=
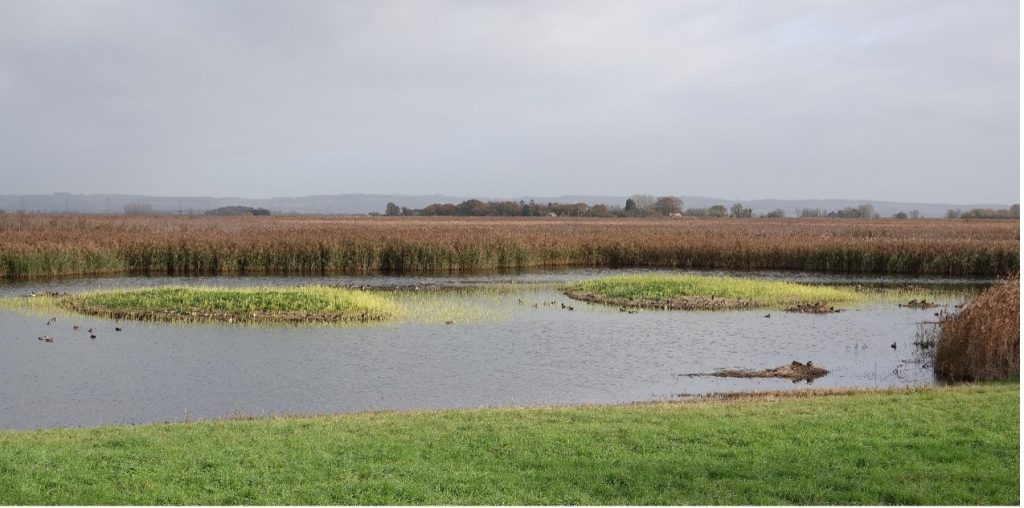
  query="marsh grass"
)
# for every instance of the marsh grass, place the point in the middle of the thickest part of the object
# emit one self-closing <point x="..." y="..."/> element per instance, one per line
<point x="724" y="292"/>
<point x="258" y="304"/>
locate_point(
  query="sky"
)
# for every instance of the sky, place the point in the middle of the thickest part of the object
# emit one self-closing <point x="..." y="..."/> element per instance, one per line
<point x="903" y="100"/>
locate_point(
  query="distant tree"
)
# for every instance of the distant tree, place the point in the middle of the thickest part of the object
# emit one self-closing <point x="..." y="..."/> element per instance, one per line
<point x="644" y="202"/>
<point x="631" y="207"/>
<point x="696" y="212"/>
<point x="261" y="212"/>
<point x="471" y="207"/>
<point x="915" y="214"/>
<point x="235" y="210"/>
<point x="867" y="211"/>
<point x="138" y="209"/>
<point x="776" y="214"/>
<point x="406" y="211"/>
<point x="812" y="212"/>
<point x="988" y="213"/>
<point x="900" y="215"/>
<point x="717" y="211"/>
<point x="668" y="205"/>
<point x="600" y="210"/>
<point x="392" y="210"/>
<point x="739" y="211"/>
<point x="952" y="214"/>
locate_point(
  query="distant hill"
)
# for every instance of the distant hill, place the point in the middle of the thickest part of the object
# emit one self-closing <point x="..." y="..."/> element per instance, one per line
<point x="359" y="204"/>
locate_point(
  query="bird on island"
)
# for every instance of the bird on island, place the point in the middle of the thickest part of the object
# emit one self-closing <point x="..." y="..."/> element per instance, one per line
<point x="92" y="335"/>
<point x="767" y="315"/>
<point x="117" y="328"/>
<point x="893" y="346"/>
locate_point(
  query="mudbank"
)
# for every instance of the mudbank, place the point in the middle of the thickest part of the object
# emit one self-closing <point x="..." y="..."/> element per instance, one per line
<point x="796" y="371"/>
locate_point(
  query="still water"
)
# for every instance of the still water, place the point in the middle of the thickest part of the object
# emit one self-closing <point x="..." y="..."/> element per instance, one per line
<point x="500" y="350"/>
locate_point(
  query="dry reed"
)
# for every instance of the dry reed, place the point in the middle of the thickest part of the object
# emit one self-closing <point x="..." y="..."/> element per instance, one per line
<point x="982" y="341"/>
<point x="43" y="245"/>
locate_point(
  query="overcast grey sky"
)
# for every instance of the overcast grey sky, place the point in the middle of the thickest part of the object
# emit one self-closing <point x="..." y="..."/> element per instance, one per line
<point x="889" y="100"/>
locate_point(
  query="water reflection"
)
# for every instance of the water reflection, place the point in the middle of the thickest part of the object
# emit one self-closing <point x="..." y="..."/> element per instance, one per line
<point x="498" y="350"/>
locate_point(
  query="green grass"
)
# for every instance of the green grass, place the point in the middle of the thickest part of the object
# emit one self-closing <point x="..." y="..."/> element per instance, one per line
<point x="949" y="445"/>
<point x="621" y="289"/>
<point x="259" y="304"/>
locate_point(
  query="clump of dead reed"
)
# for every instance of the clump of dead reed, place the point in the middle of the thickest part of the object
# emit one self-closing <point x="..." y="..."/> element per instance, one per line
<point x="982" y="341"/>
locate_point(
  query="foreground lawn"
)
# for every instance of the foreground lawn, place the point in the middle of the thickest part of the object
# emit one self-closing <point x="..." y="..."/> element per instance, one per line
<point x="956" y="445"/>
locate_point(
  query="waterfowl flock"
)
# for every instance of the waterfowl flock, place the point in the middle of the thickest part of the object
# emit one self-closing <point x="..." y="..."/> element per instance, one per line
<point x="91" y="331"/>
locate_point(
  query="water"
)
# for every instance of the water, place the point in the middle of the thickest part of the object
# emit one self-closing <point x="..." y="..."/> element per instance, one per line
<point x="498" y="352"/>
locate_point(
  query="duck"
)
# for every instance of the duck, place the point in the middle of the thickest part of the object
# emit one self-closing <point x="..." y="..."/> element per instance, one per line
<point x="767" y="315"/>
<point x="893" y="346"/>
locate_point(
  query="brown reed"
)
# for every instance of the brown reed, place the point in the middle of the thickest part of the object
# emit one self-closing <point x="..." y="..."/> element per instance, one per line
<point x="42" y="245"/>
<point x="982" y="341"/>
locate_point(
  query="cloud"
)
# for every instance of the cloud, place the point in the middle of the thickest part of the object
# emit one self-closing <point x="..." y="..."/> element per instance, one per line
<point x="883" y="100"/>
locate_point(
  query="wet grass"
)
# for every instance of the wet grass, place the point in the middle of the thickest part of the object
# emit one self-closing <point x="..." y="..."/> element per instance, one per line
<point x="948" y="445"/>
<point x="259" y="304"/>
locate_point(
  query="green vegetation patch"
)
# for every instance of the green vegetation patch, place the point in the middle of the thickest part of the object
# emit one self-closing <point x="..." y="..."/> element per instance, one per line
<point x="941" y="446"/>
<point x="709" y="292"/>
<point x="704" y="292"/>
<point x="318" y="304"/>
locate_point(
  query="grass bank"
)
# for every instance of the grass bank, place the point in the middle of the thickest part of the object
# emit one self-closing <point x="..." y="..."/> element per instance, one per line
<point x="318" y="304"/>
<point x="47" y="245"/>
<point x="952" y="445"/>
<point x="703" y="292"/>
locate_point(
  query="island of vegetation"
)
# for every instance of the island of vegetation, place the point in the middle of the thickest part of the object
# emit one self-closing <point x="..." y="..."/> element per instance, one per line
<point x="306" y="304"/>
<point x="701" y="292"/>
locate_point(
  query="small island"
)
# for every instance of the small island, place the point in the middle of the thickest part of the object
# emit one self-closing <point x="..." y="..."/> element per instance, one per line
<point x="705" y="292"/>
<point x="305" y="304"/>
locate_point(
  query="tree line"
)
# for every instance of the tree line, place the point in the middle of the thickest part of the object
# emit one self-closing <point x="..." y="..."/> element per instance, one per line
<point x="645" y="205"/>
